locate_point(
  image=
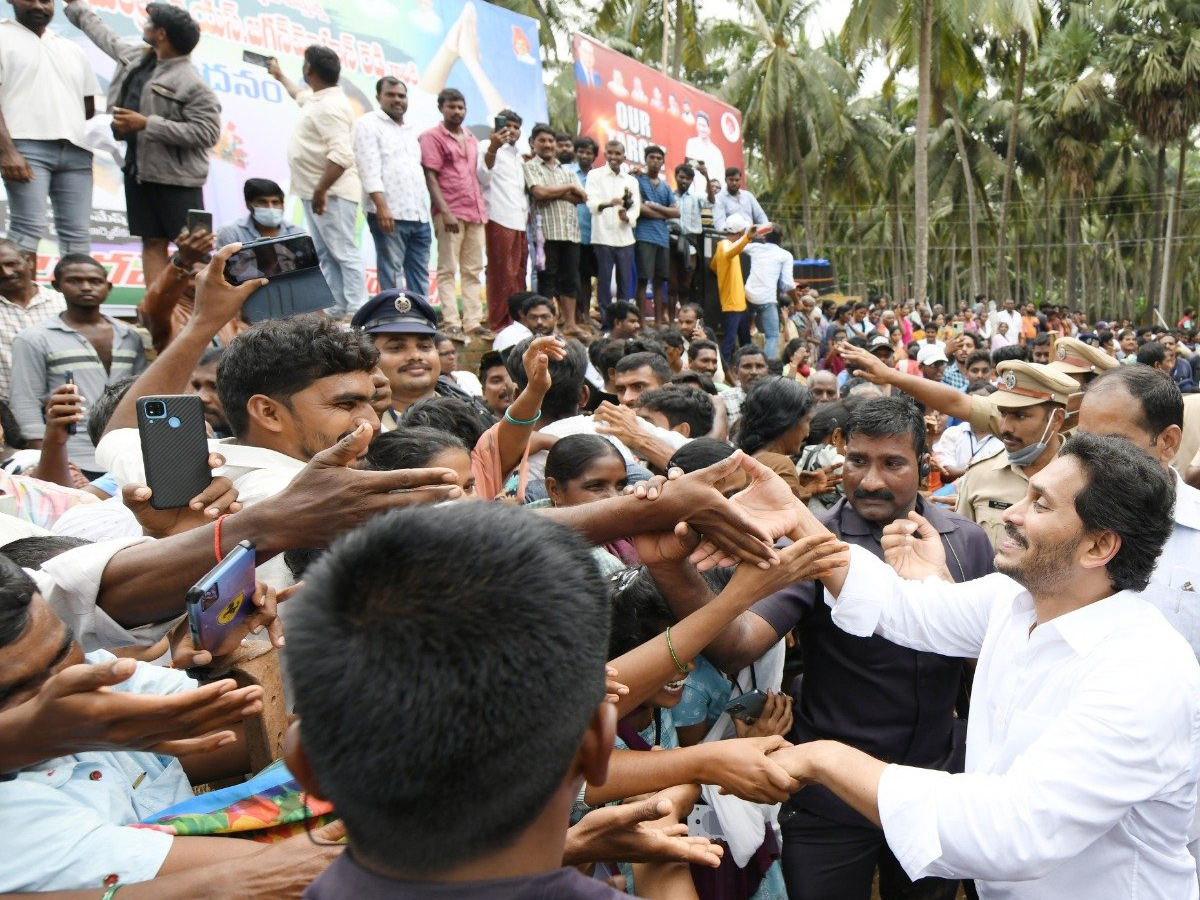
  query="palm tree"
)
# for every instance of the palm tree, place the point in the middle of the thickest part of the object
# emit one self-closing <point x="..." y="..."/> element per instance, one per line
<point x="1154" y="55"/>
<point x="1072" y="113"/>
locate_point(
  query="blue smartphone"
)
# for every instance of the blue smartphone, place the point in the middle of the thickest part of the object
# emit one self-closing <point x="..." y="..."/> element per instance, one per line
<point x="219" y="603"/>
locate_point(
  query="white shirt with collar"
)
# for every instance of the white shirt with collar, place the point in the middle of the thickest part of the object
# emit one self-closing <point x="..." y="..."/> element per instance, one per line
<point x="66" y="820"/>
<point x="603" y="186"/>
<point x="388" y="156"/>
<point x="504" y="187"/>
<point x="1083" y="743"/>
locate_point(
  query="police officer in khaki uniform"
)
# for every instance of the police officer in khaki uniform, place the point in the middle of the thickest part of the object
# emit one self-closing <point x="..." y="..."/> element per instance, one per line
<point x="1085" y="364"/>
<point x="1027" y="413"/>
<point x="1082" y="361"/>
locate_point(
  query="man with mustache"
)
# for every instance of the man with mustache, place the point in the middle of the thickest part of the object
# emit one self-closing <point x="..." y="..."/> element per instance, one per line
<point x="401" y="325"/>
<point x="886" y="700"/>
<point x="1027" y="414"/>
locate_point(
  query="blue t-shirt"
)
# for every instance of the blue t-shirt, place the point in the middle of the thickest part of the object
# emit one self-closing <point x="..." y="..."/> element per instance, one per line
<point x="654" y="231"/>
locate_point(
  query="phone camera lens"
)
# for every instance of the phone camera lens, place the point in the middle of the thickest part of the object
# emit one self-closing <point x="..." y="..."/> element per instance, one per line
<point x="155" y="409"/>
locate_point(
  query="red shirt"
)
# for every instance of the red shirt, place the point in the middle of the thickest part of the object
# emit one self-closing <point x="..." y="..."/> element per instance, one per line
<point x="454" y="162"/>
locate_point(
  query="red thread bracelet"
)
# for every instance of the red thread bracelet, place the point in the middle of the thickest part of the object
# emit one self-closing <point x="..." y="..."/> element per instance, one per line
<point x="217" y="537"/>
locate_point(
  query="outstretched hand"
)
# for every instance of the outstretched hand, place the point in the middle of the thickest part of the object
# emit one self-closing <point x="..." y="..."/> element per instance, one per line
<point x="767" y="501"/>
<point x="301" y="511"/>
<point x="75" y="711"/>
<point x="645" y="831"/>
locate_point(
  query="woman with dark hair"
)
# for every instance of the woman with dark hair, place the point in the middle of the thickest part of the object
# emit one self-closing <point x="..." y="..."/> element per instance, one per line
<point x="422" y="448"/>
<point x="584" y="468"/>
<point x="775" y="419"/>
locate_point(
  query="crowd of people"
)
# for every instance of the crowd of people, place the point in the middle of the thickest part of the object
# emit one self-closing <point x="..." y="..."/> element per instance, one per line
<point x="904" y="597"/>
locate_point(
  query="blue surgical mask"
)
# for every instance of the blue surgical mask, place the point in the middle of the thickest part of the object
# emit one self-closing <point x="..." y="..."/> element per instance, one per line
<point x="267" y="217"/>
<point x="1028" y="455"/>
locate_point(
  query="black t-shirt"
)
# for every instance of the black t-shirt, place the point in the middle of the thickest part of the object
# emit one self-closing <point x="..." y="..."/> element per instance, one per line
<point x="347" y="880"/>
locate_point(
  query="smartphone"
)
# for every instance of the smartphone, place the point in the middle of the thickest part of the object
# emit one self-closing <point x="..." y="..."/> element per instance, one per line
<point x="198" y="219"/>
<point x="501" y="121"/>
<point x="272" y="257"/>
<point x="747" y="707"/>
<point x="255" y="59"/>
<point x="174" y="448"/>
<point x="703" y="821"/>
<point x="219" y="603"/>
<point x="956" y="327"/>
<point x="73" y="428"/>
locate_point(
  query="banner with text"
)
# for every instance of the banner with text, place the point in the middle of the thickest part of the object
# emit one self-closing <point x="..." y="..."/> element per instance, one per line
<point x="620" y="98"/>
<point x="490" y="54"/>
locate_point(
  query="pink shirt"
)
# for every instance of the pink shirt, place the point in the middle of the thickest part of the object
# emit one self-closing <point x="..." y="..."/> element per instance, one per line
<point x="454" y="164"/>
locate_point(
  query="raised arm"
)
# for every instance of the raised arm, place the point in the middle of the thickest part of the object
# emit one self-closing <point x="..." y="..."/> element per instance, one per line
<point x="83" y="17"/>
<point x="648" y="667"/>
<point x="217" y="301"/>
<point x="164" y="294"/>
<point x="932" y="394"/>
<point x="147" y="582"/>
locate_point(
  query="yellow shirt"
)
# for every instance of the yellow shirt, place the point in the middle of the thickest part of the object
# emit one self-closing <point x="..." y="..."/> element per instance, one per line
<point x="728" y="267"/>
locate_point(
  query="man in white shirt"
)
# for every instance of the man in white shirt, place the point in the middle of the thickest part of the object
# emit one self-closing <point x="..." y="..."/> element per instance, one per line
<point x="615" y="201"/>
<point x="736" y="200"/>
<point x="47" y="91"/>
<point x="388" y="156"/>
<point x="501" y="171"/>
<point x="323" y="174"/>
<point x="771" y="272"/>
<point x="1083" y="743"/>
<point x="1009" y="315"/>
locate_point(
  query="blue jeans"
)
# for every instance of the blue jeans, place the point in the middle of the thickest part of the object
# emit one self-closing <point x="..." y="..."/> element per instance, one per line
<point x="606" y="259"/>
<point x="737" y="333"/>
<point x="405" y="250"/>
<point x="333" y="235"/>
<point x="766" y="316"/>
<point x="62" y="173"/>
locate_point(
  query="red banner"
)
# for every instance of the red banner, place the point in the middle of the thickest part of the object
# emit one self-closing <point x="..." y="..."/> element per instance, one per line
<point x="620" y="98"/>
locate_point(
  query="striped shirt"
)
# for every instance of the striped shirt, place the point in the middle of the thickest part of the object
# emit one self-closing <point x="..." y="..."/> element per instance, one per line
<point x="559" y="220"/>
<point x="15" y="318"/>
<point x="42" y="357"/>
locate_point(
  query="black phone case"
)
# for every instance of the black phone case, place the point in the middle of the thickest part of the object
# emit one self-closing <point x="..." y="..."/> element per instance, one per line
<point x="175" y="459"/>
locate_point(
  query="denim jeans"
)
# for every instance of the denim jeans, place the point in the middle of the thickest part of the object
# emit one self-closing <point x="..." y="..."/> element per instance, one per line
<point x="333" y="235"/>
<point x="405" y="250"/>
<point x="608" y="258"/>
<point x="62" y="173"/>
<point x="737" y="333"/>
<point x="766" y="316"/>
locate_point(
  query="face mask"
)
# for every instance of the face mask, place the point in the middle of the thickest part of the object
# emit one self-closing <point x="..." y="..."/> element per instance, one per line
<point x="1027" y="455"/>
<point x="267" y="217"/>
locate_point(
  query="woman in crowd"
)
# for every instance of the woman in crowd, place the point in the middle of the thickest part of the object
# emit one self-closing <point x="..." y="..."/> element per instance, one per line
<point x="775" y="419"/>
<point x="422" y="448"/>
<point x="584" y="468"/>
